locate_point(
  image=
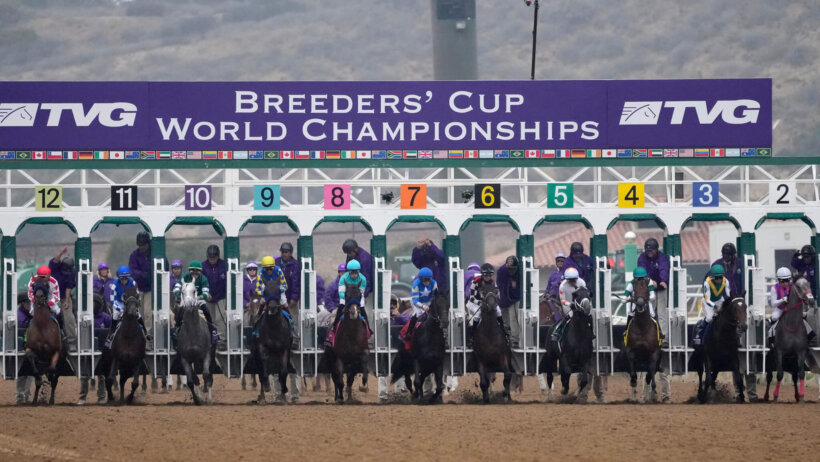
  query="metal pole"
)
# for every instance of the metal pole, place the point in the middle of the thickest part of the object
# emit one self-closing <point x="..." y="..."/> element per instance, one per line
<point x="534" y="34"/>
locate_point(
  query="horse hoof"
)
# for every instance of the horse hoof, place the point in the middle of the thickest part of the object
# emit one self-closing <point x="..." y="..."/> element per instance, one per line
<point x="740" y="399"/>
<point x="363" y="388"/>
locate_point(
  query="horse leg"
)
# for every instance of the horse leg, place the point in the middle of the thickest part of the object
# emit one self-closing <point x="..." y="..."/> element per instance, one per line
<point x="633" y="378"/>
<point x="38" y="383"/>
<point x="123" y="379"/>
<point x="739" y="384"/>
<point x="264" y="375"/>
<point x="53" y="378"/>
<point x="351" y="377"/>
<point x="566" y="372"/>
<point x="484" y="380"/>
<point x="439" y="373"/>
<point x="283" y="375"/>
<point x="338" y="381"/>
<point x="507" y="379"/>
<point x="207" y="378"/>
<point x="778" y="359"/>
<point x="134" y="374"/>
<point x="703" y="382"/>
<point x="801" y="376"/>
<point x="52" y="365"/>
<point x="419" y="381"/>
<point x="768" y="383"/>
<point x="189" y="374"/>
<point x="363" y="388"/>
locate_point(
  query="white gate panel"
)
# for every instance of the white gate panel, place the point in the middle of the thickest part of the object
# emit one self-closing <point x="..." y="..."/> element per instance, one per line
<point x="9" y="305"/>
<point x="754" y="346"/>
<point x="381" y="319"/>
<point x="163" y="349"/>
<point x="307" y="328"/>
<point x="602" y="319"/>
<point x="457" y="329"/>
<point x="677" y="334"/>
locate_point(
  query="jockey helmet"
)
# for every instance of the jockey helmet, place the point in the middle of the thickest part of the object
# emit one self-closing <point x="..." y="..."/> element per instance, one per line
<point x="102" y="266"/>
<point x="349" y="246"/>
<point x="640" y="272"/>
<point x="354" y="265"/>
<point x="571" y="273"/>
<point x="425" y="273"/>
<point x="251" y="265"/>
<point x="286" y="247"/>
<point x="342" y="267"/>
<point x="44" y="271"/>
<point x="176" y="264"/>
<point x="123" y="272"/>
<point x="212" y="251"/>
<point x="783" y="273"/>
<point x="195" y="265"/>
<point x="575" y="248"/>
<point x="717" y="270"/>
<point x="487" y="268"/>
<point x="143" y="238"/>
<point x="268" y="262"/>
<point x="728" y="249"/>
<point x="561" y="255"/>
<point x="808" y="250"/>
<point x="650" y="244"/>
<point x="68" y="263"/>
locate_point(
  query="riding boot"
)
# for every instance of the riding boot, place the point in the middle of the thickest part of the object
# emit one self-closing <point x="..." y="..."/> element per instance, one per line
<point x="331" y="333"/>
<point x="61" y="323"/>
<point x="211" y="326"/>
<point x="660" y="334"/>
<point x="812" y="338"/>
<point x="110" y="338"/>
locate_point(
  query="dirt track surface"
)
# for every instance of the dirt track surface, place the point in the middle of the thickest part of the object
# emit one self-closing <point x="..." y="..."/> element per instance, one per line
<point x="168" y="427"/>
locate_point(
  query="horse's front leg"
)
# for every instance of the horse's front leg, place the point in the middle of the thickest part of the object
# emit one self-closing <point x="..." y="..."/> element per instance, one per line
<point x="799" y="393"/>
<point x="484" y="381"/>
<point x="507" y="379"/>
<point x="778" y="360"/>
<point x="338" y="381"/>
<point x="738" y="378"/>
<point x="649" y="385"/>
<point x="134" y="384"/>
<point x="53" y="378"/>
<point x="566" y="372"/>
<point x="207" y="377"/>
<point x="52" y="365"/>
<point x="364" y="388"/>
<point x="418" y="382"/>
<point x="633" y="377"/>
<point x="123" y="379"/>
<point x="189" y="375"/>
<point x="351" y="377"/>
<point x="283" y="375"/>
<point x="439" y="373"/>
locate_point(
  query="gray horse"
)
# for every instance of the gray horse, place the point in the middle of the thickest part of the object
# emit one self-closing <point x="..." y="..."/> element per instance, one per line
<point x="194" y="343"/>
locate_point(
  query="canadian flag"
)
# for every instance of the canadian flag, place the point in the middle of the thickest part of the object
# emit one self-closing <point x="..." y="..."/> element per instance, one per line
<point x="286" y="154"/>
<point x="38" y="155"/>
<point x="532" y="153"/>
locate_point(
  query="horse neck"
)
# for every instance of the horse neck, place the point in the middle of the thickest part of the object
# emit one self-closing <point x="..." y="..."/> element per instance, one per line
<point x="42" y="315"/>
<point x="793" y="316"/>
<point x="190" y="317"/>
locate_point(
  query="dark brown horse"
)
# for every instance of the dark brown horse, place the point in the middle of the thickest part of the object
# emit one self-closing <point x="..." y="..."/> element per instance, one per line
<point x="349" y="352"/>
<point x="720" y="348"/>
<point x="127" y="348"/>
<point x="791" y="341"/>
<point x="490" y="349"/>
<point x="44" y="345"/>
<point x="270" y="344"/>
<point x="642" y="341"/>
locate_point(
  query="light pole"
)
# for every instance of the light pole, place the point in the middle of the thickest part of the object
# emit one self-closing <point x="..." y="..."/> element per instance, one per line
<point x="534" y="33"/>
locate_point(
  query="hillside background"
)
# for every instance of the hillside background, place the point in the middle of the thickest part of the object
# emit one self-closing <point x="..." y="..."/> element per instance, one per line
<point x="272" y="40"/>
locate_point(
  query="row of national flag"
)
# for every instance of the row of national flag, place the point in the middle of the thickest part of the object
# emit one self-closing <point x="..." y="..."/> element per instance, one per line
<point x="439" y="154"/>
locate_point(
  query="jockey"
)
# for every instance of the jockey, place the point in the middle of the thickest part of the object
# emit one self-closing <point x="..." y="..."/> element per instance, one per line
<point x="715" y="292"/>
<point x="421" y="294"/>
<point x="355" y="278"/>
<point x="732" y="267"/>
<point x="805" y="264"/>
<point x="249" y="282"/>
<point x="43" y="277"/>
<point x="572" y="282"/>
<point x="640" y="273"/>
<point x="271" y="272"/>
<point x="779" y="296"/>
<point x="474" y="303"/>
<point x="203" y="289"/>
<point x="124" y="281"/>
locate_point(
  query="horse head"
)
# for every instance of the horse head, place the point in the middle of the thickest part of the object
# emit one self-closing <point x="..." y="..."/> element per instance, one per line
<point x="581" y="301"/>
<point x="188" y="296"/>
<point x="352" y="310"/>
<point x="734" y="312"/>
<point x="132" y="302"/>
<point x="489" y="301"/>
<point x="439" y="307"/>
<point x="352" y="292"/>
<point x="272" y="295"/>
<point x="802" y="290"/>
<point x="40" y="292"/>
<point x="640" y="295"/>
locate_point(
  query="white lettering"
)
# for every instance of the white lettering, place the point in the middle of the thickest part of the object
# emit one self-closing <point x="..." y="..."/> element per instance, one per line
<point x="245" y="102"/>
<point x="460" y="109"/>
<point x="173" y="126"/>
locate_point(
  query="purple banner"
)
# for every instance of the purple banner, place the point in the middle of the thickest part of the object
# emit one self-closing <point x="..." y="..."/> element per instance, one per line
<point x="385" y="115"/>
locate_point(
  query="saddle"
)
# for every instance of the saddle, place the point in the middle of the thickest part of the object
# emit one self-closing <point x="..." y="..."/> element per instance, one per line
<point x="334" y="330"/>
<point x="657" y="330"/>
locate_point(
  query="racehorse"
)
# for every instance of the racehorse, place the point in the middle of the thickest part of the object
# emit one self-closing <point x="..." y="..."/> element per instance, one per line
<point x="575" y="349"/>
<point x="348" y="355"/>
<point x="270" y="344"/>
<point x="642" y="341"/>
<point x="194" y="343"/>
<point x="249" y="317"/>
<point x="127" y="348"/>
<point x="44" y="345"/>
<point x="427" y="351"/>
<point x="720" y="347"/>
<point x="490" y="349"/>
<point x="791" y="340"/>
